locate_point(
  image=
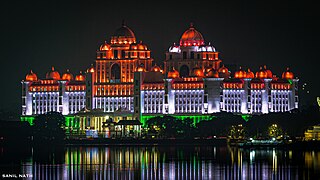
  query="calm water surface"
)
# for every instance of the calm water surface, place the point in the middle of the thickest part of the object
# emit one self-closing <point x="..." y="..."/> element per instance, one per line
<point x="159" y="162"/>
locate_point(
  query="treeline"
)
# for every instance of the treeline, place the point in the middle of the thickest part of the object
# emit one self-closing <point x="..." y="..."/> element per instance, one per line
<point x="47" y="127"/>
<point x="292" y="124"/>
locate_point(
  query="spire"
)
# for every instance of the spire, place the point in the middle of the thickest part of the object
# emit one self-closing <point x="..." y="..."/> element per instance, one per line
<point x="52" y="68"/>
<point x="265" y="66"/>
<point x="191" y="25"/>
<point x="123" y="23"/>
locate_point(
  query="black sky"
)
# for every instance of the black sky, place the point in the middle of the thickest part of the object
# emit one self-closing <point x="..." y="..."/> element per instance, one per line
<point x="66" y="34"/>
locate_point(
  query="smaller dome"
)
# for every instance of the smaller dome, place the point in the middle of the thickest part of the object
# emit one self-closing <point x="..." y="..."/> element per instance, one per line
<point x="156" y="68"/>
<point x="91" y="69"/>
<point x="105" y="47"/>
<point x="223" y="69"/>
<point x="80" y="77"/>
<point x="142" y="46"/>
<point x="269" y="73"/>
<point x="175" y="48"/>
<point x="140" y="69"/>
<point x="67" y="76"/>
<point x="213" y="73"/>
<point x="287" y="74"/>
<point x="53" y="74"/>
<point x="208" y="69"/>
<point x="134" y="46"/>
<point x="223" y="72"/>
<point x="262" y="74"/>
<point x="173" y="74"/>
<point x="250" y="74"/>
<point x="207" y="48"/>
<point x="31" y="76"/>
<point x="240" y="73"/>
<point x="198" y="72"/>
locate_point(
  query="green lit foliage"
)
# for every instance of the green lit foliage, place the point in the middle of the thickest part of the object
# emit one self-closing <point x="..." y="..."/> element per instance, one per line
<point x="246" y="117"/>
<point x="28" y="119"/>
<point x="49" y="126"/>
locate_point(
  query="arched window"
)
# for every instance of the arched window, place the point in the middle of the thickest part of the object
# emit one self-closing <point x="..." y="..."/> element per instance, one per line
<point x="115" y="73"/>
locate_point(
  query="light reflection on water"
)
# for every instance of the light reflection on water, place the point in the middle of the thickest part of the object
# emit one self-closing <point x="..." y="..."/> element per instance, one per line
<point x="161" y="162"/>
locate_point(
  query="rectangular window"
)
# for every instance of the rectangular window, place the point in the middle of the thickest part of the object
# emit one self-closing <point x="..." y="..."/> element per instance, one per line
<point x="184" y="55"/>
<point x="192" y="55"/>
<point x="115" y="54"/>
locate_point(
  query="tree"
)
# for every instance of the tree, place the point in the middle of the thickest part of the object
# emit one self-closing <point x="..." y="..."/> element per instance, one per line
<point x="237" y="132"/>
<point x="274" y="131"/>
<point x="49" y="126"/>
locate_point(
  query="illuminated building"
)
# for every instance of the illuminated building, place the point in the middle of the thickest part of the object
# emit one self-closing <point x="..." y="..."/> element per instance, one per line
<point x="194" y="83"/>
<point x="64" y="94"/>
<point x="124" y="84"/>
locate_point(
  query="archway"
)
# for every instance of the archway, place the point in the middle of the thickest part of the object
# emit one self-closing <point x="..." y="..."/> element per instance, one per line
<point x="184" y="71"/>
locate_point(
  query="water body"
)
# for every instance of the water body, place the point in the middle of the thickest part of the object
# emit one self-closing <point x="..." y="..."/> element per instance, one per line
<point x="158" y="162"/>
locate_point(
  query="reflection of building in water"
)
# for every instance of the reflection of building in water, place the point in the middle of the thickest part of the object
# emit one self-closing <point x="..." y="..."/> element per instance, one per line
<point x="169" y="163"/>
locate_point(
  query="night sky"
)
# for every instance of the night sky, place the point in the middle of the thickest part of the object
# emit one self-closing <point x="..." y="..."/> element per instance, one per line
<point x="39" y="34"/>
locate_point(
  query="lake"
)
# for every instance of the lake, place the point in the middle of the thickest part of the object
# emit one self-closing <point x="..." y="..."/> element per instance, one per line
<point x="158" y="162"/>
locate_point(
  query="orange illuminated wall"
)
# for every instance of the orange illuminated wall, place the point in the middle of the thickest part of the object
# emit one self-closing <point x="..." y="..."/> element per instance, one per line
<point x="257" y="85"/>
<point x="280" y="86"/>
<point x="113" y="90"/>
<point x="232" y="85"/>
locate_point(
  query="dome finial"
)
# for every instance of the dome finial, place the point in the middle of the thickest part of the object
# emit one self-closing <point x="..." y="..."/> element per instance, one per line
<point x="123" y="23"/>
<point x="52" y="68"/>
<point x="191" y="25"/>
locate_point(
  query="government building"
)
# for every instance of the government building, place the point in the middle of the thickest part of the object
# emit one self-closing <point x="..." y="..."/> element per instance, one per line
<point x="125" y="84"/>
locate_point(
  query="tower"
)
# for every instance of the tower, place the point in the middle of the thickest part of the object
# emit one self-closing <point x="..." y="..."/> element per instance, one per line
<point x="191" y="52"/>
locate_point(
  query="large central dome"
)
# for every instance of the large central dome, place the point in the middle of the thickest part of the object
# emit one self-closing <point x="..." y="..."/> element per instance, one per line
<point x="124" y="31"/>
<point x="191" y="37"/>
<point x="123" y="35"/>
